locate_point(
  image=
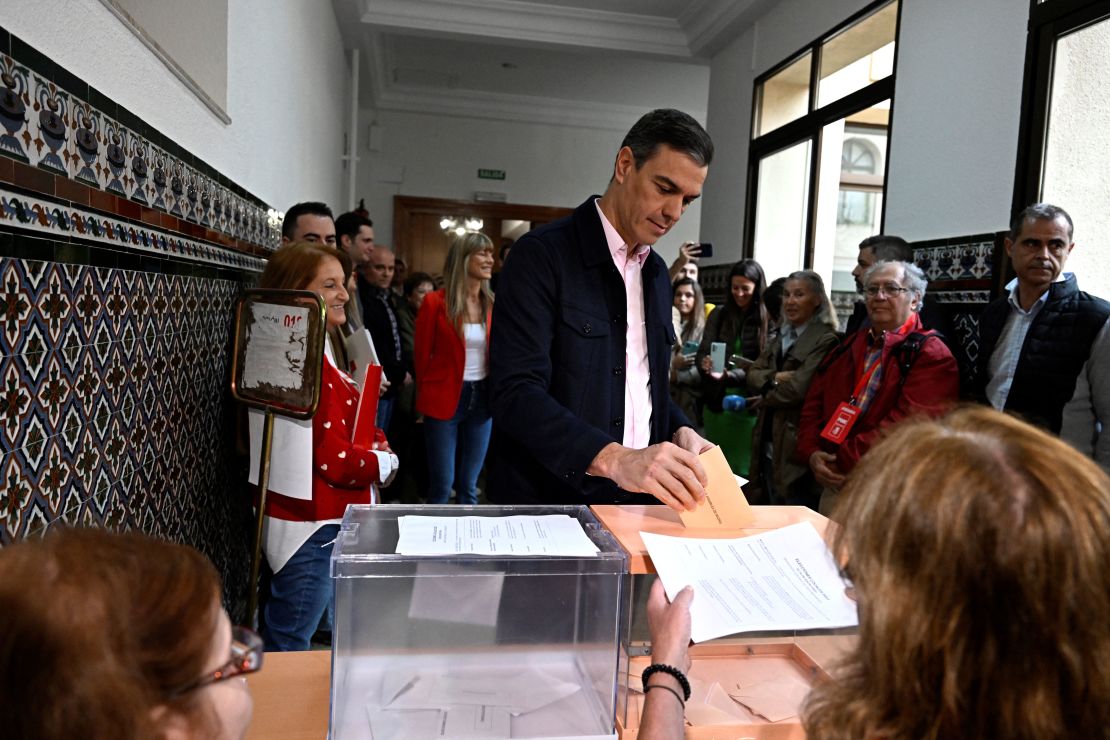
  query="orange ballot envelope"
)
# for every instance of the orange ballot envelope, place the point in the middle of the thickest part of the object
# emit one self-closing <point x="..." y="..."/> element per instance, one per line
<point x="724" y="505"/>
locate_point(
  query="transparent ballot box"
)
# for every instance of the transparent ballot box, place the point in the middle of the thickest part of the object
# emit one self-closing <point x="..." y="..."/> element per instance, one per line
<point x="462" y="645"/>
<point x="748" y="685"/>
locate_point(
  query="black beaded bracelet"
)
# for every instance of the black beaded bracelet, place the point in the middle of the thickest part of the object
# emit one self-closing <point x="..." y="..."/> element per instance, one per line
<point x="664" y="668"/>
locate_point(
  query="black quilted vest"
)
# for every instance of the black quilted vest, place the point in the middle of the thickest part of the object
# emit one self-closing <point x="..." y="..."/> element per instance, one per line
<point x="1056" y="347"/>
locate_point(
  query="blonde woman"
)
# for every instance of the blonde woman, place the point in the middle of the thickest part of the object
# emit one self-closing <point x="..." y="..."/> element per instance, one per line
<point x="451" y="357"/>
<point x="781" y="375"/>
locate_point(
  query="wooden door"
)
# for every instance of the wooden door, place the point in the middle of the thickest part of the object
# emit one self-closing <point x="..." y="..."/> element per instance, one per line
<point x="419" y="240"/>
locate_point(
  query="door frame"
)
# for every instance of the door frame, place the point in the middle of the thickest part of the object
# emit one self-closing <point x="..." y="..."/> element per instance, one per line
<point x="407" y="206"/>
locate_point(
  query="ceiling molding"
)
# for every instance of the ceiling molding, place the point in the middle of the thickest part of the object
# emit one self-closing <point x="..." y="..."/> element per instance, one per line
<point x="710" y="25"/>
<point x="511" y="21"/>
<point x="506" y="107"/>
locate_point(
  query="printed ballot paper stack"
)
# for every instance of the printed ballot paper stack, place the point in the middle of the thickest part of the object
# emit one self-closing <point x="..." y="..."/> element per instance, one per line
<point x="784" y="579"/>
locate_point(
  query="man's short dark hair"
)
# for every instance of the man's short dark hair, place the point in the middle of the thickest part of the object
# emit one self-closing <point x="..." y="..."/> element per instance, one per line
<point x="672" y="127"/>
<point x="309" y="208"/>
<point x="1039" y="212"/>
<point x="888" y="248"/>
<point x="413" y="281"/>
<point x="349" y="224"/>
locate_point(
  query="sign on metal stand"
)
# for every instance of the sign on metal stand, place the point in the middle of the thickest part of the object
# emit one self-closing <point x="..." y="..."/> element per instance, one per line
<point x="276" y="365"/>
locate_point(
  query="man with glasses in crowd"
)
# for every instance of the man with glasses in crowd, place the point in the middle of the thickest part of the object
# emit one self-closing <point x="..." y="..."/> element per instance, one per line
<point x="1044" y="346"/>
<point x="891" y="370"/>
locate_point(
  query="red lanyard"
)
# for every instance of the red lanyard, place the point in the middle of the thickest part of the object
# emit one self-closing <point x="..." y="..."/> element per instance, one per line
<point x="865" y="376"/>
<point x="868" y="371"/>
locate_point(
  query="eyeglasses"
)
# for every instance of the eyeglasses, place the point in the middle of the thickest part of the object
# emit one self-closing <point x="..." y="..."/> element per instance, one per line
<point x="247" y="650"/>
<point x="890" y="289"/>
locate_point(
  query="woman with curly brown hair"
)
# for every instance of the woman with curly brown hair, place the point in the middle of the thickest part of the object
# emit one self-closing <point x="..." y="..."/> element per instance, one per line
<point x="977" y="546"/>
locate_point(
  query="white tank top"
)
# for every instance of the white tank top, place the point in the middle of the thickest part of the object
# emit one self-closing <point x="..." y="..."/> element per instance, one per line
<point x="474" y="339"/>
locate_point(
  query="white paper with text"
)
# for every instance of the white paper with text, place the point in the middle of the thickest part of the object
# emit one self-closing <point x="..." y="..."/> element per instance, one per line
<point x="552" y="535"/>
<point x="784" y="579"/>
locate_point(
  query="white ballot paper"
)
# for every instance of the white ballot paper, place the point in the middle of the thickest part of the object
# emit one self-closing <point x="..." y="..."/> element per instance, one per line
<point x="784" y="579"/>
<point x="552" y="534"/>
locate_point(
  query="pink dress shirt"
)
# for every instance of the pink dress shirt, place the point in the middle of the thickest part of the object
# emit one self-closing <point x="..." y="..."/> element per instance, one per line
<point x="637" y="387"/>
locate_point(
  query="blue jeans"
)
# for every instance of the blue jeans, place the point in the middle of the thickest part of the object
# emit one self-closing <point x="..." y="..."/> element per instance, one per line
<point x="300" y="593"/>
<point x="457" y="446"/>
<point x="385" y="414"/>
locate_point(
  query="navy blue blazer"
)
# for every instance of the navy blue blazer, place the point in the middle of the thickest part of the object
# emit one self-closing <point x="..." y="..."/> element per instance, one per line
<point x="557" y="357"/>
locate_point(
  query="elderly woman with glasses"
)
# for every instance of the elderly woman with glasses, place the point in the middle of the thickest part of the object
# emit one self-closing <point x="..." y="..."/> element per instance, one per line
<point x="882" y="374"/>
<point x="121" y="637"/>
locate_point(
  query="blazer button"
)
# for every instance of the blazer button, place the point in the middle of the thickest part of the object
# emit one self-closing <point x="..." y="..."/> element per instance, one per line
<point x="618" y="422"/>
<point x="587" y="328"/>
<point x="569" y="474"/>
<point x="618" y="370"/>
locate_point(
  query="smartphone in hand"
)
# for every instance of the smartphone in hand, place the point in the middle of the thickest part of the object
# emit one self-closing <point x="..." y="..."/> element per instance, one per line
<point x="706" y="250"/>
<point x="717" y="356"/>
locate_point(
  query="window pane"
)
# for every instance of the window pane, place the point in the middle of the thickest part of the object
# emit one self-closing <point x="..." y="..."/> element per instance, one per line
<point x="781" y="207"/>
<point x="1077" y="157"/>
<point x="852" y="179"/>
<point x="784" y="97"/>
<point x="858" y="55"/>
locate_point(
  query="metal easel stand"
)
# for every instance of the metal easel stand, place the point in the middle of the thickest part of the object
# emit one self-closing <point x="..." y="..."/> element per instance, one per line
<point x="263" y="486"/>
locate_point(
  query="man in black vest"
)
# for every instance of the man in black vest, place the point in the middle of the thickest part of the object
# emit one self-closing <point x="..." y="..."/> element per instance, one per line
<point x="1044" y="346"/>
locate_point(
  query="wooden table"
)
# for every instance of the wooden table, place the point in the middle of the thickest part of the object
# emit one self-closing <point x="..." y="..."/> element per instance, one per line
<point x="291" y="696"/>
<point x="292" y="691"/>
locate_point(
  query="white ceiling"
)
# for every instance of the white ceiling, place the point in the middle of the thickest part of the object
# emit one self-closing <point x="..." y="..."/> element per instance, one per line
<point x="598" y="63"/>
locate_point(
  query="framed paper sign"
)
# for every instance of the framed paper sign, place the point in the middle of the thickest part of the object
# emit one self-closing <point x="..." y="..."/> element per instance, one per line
<point x="278" y="351"/>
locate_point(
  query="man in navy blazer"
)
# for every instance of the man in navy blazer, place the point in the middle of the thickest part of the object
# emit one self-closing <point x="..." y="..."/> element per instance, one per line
<point x="568" y="427"/>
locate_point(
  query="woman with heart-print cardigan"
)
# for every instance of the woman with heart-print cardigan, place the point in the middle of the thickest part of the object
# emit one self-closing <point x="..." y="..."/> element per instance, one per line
<point x="302" y="522"/>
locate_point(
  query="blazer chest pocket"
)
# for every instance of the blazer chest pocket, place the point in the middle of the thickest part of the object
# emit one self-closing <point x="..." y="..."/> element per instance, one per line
<point x="582" y="340"/>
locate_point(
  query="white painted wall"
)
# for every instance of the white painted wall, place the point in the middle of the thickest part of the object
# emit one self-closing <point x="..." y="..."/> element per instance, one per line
<point x="286" y="87"/>
<point x="435" y="156"/>
<point x="955" y="122"/>
<point x="957" y="106"/>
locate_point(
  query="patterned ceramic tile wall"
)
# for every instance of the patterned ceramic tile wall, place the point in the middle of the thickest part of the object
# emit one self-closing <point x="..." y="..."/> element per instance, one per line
<point x="113" y="407"/>
<point x="121" y="257"/>
<point x="962" y="274"/>
<point x="47" y="126"/>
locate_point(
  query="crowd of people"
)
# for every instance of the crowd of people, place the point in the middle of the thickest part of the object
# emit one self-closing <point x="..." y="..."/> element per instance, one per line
<point x="797" y="403"/>
<point x="973" y="540"/>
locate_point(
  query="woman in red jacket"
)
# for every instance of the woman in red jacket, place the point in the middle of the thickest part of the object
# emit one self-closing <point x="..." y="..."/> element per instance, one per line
<point x="302" y="521"/>
<point x="451" y="357"/>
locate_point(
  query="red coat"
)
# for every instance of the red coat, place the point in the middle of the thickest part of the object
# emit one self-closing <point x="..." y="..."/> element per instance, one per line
<point x="439" y="358"/>
<point x="341" y="471"/>
<point x="931" y="387"/>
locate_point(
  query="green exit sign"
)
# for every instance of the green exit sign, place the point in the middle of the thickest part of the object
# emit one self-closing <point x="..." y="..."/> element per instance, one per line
<point x="491" y="174"/>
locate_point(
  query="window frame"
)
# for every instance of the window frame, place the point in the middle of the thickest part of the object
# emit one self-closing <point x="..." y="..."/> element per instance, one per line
<point x="810" y="126"/>
<point x="1048" y="21"/>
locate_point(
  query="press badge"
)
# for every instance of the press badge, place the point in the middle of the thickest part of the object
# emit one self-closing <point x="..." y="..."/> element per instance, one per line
<point x="841" y="422"/>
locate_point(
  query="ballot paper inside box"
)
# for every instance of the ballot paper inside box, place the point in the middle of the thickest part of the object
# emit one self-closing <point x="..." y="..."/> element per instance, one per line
<point x="463" y="645"/>
<point x="753" y="690"/>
